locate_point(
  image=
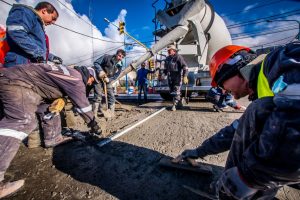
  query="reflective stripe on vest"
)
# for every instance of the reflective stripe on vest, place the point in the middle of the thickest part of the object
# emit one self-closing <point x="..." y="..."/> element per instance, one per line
<point x="263" y="88"/>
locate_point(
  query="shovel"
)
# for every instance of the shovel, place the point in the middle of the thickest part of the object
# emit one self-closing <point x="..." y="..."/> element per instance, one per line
<point x="106" y="112"/>
<point x="186" y="96"/>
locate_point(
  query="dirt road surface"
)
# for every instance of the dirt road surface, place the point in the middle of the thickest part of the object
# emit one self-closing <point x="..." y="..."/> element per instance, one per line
<point x="126" y="168"/>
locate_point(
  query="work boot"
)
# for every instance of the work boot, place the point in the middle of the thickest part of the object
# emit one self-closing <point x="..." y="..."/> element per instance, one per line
<point x="173" y="107"/>
<point x="219" y="109"/>
<point x="112" y="110"/>
<point x="180" y="104"/>
<point x="34" y="139"/>
<point x="57" y="141"/>
<point x="174" y="104"/>
<point x="10" y="188"/>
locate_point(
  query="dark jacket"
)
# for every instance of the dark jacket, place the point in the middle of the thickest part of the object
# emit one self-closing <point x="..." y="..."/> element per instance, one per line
<point x="265" y="146"/>
<point x="175" y="68"/>
<point x="25" y="36"/>
<point x="51" y="82"/>
<point x="141" y="76"/>
<point x="109" y="65"/>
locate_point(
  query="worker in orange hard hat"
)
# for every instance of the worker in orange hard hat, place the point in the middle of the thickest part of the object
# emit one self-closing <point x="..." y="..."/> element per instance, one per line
<point x="264" y="143"/>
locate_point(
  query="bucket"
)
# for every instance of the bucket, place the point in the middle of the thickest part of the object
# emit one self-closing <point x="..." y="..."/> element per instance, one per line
<point x="130" y="90"/>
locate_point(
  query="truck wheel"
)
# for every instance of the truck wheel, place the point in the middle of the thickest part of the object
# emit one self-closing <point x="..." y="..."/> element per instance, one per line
<point x="166" y="96"/>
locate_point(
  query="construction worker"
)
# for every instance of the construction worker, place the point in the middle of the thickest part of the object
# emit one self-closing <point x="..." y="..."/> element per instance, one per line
<point x="142" y="82"/>
<point x="26" y="35"/>
<point x="176" y="69"/>
<point x="23" y="89"/>
<point x="108" y="67"/>
<point x="222" y="99"/>
<point x="264" y="143"/>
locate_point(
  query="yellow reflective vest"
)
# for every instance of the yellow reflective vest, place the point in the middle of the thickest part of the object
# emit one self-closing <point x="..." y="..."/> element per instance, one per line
<point x="263" y="88"/>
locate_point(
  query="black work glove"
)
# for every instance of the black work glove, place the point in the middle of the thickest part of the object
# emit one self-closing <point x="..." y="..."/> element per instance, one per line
<point x="38" y="59"/>
<point x="57" y="60"/>
<point x="93" y="125"/>
<point x="193" y="153"/>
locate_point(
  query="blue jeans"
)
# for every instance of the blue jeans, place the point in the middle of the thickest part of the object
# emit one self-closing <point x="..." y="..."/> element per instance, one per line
<point x="142" y="88"/>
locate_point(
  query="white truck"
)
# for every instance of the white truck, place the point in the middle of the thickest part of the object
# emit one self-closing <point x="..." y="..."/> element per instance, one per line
<point x="197" y="31"/>
<point x="206" y="33"/>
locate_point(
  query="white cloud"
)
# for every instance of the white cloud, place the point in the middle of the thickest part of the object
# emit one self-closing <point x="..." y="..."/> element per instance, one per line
<point x="71" y="47"/>
<point x="249" y="7"/>
<point x="260" y="41"/>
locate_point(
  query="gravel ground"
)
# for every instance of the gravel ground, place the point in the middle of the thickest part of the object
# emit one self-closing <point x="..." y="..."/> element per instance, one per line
<point x="126" y="168"/>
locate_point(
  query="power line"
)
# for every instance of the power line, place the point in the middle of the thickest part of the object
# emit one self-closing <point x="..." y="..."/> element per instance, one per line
<point x="73" y="30"/>
<point x="92" y="30"/>
<point x="97" y="55"/>
<point x="258" y="31"/>
<point x="74" y="13"/>
<point x="85" y="34"/>
<point x="89" y="54"/>
<point x="6" y="3"/>
<point x="255" y="7"/>
<point x="259" y="20"/>
<point x="272" y="32"/>
<point x="272" y="42"/>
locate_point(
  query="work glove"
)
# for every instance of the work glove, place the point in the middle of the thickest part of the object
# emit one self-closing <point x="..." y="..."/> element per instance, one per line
<point x="57" y="60"/>
<point x="106" y="80"/>
<point x="38" y="59"/>
<point x="57" y="106"/>
<point x="231" y="185"/>
<point x="194" y="153"/>
<point x="94" y="128"/>
<point x="185" y="80"/>
<point x="102" y="75"/>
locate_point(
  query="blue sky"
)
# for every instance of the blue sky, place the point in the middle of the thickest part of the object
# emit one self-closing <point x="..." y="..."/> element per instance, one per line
<point x="140" y="13"/>
<point x="77" y="15"/>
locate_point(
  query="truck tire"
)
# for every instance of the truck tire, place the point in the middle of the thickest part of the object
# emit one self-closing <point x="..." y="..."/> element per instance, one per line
<point x="166" y="96"/>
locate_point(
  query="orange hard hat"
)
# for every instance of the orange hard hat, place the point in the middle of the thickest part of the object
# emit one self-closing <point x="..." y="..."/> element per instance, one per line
<point x="220" y="57"/>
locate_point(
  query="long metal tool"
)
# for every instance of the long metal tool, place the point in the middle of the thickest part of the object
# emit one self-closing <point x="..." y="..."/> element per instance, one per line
<point x="105" y="93"/>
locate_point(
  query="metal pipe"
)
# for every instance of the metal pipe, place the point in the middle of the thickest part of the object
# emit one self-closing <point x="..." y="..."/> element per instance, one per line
<point x="171" y="37"/>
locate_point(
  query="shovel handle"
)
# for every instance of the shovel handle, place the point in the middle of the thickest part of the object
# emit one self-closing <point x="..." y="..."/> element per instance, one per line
<point x="105" y="93"/>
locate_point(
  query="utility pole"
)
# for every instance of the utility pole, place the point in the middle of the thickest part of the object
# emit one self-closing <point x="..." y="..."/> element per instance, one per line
<point x="125" y="33"/>
<point x="121" y="29"/>
<point x="126" y="77"/>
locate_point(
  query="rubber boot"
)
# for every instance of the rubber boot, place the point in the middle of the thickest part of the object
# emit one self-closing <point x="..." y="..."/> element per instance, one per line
<point x="180" y="104"/>
<point x="10" y="188"/>
<point x="57" y="141"/>
<point x="174" y="104"/>
<point x="112" y="110"/>
<point x="173" y="107"/>
<point x="52" y="132"/>
<point x="34" y="139"/>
